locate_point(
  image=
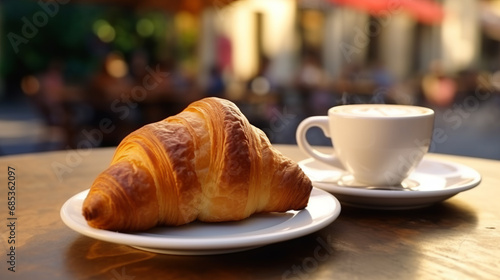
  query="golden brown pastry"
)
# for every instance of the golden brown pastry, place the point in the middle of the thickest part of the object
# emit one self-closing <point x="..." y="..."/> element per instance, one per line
<point x="206" y="163"/>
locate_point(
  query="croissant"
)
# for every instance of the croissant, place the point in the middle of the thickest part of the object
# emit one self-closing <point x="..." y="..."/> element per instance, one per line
<point x="207" y="163"/>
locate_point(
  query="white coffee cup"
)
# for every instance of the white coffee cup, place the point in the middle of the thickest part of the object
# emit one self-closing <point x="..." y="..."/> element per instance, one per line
<point x="377" y="144"/>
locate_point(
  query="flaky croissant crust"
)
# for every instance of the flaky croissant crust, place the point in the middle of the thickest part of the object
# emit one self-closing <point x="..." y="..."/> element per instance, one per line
<point x="206" y="163"/>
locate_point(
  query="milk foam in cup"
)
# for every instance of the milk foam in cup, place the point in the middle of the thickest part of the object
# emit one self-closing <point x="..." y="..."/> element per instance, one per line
<point x="378" y="144"/>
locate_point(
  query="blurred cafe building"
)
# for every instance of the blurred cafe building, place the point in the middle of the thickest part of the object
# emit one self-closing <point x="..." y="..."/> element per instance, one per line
<point x="79" y="61"/>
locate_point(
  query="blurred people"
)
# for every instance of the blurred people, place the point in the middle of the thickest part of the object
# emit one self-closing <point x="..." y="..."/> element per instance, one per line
<point x="51" y="95"/>
<point x="49" y="98"/>
<point x="381" y="76"/>
<point x="216" y="85"/>
<point x="109" y="96"/>
<point x="438" y="88"/>
<point x="152" y="87"/>
<point x="312" y="83"/>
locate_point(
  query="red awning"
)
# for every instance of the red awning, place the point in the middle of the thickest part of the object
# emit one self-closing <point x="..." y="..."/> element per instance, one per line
<point x="425" y="11"/>
<point x="194" y="6"/>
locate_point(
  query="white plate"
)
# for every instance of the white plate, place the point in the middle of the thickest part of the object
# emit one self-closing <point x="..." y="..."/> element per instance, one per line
<point x="431" y="182"/>
<point x="214" y="238"/>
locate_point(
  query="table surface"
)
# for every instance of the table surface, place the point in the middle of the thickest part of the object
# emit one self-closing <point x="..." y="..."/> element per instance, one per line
<point x="456" y="239"/>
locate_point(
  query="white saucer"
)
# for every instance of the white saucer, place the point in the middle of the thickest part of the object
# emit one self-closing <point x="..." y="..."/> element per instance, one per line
<point x="214" y="238"/>
<point x="431" y="182"/>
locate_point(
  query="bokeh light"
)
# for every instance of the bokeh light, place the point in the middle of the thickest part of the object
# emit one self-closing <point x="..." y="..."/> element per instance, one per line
<point x="116" y="65"/>
<point x="145" y="27"/>
<point x="260" y="86"/>
<point x="104" y="30"/>
<point x="30" y="85"/>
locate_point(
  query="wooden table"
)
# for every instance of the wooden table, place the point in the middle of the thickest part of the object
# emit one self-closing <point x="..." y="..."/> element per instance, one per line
<point x="456" y="239"/>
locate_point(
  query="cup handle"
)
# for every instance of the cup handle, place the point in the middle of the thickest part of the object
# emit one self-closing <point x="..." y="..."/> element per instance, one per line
<point x="321" y="122"/>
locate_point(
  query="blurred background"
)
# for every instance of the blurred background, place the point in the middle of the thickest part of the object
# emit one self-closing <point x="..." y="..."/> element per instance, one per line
<point x="77" y="74"/>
